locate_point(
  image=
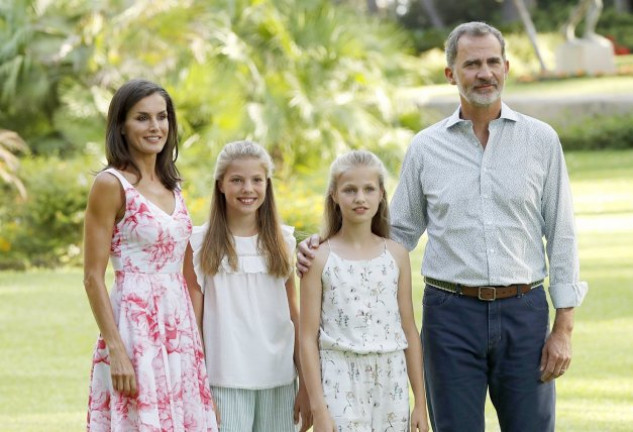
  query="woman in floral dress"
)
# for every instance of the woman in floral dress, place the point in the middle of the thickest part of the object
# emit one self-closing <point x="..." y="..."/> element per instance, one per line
<point x="148" y="370"/>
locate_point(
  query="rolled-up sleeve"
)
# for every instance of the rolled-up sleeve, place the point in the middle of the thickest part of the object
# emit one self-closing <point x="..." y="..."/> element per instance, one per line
<point x="566" y="289"/>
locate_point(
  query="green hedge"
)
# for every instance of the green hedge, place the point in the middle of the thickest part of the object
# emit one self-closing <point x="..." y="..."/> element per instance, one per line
<point x="599" y="133"/>
<point x="45" y="229"/>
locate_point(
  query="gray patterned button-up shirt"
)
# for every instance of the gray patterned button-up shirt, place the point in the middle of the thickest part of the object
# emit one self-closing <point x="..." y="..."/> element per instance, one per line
<point x="486" y="213"/>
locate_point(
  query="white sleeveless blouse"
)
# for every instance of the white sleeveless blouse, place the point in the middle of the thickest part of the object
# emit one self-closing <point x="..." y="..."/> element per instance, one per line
<point x="247" y="332"/>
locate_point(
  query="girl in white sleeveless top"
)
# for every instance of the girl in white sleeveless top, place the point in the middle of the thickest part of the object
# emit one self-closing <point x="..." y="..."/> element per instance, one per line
<point x="359" y="341"/>
<point x="239" y="273"/>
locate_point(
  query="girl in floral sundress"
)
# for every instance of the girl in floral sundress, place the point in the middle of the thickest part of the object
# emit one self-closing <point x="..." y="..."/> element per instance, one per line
<point x="359" y="341"/>
<point x="148" y="371"/>
<point x="239" y="274"/>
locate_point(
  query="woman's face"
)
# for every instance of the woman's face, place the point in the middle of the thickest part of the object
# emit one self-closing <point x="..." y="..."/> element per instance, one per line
<point x="146" y="126"/>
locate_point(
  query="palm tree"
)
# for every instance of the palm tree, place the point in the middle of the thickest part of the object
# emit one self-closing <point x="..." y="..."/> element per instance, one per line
<point x="11" y="143"/>
<point x="305" y="79"/>
<point x="531" y="31"/>
<point x="39" y="47"/>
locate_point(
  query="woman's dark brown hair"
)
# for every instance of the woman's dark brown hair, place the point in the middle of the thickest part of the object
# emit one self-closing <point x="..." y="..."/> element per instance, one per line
<point x="117" y="150"/>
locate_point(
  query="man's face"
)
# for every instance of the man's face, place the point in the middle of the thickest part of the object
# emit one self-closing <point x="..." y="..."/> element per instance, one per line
<point x="479" y="70"/>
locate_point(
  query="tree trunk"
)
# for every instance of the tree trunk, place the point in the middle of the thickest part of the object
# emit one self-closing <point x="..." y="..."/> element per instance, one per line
<point x="372" y="7"/>
<point x="622" y="5"/>
<point x="436" y="19"/>
<point x="531" y="31"/>
<point x="510" y="12"/>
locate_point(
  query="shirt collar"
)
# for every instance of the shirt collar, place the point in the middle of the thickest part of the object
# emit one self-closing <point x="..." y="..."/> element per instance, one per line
<point x="506" y="113"/>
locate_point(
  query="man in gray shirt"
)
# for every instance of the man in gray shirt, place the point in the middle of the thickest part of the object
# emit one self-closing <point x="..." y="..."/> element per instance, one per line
<point x="488" y="184"/>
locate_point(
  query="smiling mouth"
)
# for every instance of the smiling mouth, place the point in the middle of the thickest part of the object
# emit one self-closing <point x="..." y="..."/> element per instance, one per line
<point x="247" y="201"/>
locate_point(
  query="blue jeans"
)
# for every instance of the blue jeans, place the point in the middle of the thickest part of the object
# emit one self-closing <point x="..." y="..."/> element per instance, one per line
<point x="471" y="346"/>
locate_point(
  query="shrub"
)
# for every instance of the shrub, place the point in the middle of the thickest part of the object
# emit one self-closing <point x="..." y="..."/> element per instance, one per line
<point x="45" y="229"/>
<point x="617" y="26"/>
<point x="300" y="201"/>
<point x="599" y="132"/>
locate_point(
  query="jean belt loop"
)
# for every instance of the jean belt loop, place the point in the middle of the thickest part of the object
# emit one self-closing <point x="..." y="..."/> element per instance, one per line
<point x="519" y="293"/>
<point x="458" y="289"/>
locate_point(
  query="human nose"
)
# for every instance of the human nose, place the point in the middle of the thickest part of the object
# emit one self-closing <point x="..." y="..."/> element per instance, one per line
<point x="484" y="72"/>
<point x="247" y="186"/>
<point x="359" y="197"/>
<point x="153" y="124"/>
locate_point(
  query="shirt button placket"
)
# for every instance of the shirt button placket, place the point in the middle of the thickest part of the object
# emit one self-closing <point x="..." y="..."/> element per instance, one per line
<point x="487" y="214"/>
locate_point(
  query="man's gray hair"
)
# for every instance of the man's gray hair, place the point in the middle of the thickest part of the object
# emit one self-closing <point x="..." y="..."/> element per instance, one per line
<point x="473" y="28"/>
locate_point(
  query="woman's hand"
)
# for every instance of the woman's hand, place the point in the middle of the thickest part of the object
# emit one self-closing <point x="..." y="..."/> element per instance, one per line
<point x="122" y="372"/>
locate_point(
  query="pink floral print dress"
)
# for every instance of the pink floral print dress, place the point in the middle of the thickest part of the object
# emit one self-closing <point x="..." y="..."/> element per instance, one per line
<point x="157" y="324"/>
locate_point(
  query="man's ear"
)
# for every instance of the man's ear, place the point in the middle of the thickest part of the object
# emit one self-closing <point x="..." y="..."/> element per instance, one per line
<point x="448" y="73"/>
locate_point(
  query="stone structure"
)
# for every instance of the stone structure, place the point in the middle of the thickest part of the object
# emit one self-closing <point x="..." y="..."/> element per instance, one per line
<point x="591" y="54"/>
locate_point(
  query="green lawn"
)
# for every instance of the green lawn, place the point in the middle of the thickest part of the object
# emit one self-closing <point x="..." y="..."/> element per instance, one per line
<point x="47" y="331"/>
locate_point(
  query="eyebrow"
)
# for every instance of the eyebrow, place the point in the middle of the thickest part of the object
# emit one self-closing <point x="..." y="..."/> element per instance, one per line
<point x="479" y="61"/>
<point x="148" y="113"/>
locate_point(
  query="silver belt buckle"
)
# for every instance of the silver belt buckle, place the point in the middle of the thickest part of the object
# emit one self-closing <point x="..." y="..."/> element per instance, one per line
<point x="485" y="289"/>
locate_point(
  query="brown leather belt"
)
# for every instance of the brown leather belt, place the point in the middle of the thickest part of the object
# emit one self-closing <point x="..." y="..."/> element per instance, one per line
<point x="485" y="293"/>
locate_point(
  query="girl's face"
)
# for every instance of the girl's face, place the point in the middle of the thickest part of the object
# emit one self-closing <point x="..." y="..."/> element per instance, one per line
<point x="358" y="194"/>
<point x="146" y="126"/>
<point x="244" y="186"/>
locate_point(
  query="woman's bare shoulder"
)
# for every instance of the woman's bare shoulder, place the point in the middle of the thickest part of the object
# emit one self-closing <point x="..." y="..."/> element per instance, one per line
<point x="106" y="191"/>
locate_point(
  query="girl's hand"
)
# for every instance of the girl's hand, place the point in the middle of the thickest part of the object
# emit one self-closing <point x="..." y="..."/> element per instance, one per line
<point x="323" y="421"/>
<point x="302" y="413"/>
<point x="419" y="422"/>
<point x="216" y="411"/>
<point x="122" y="373"/>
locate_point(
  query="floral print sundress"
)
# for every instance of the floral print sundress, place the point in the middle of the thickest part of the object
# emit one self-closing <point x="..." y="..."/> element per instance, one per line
<point x="362" y="343"/>
<point x="157" y="324"/>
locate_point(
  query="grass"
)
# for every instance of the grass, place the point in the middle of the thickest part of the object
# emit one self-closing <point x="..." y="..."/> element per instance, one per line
<point x="47" y="331"/>
<point x="47" y="337"/>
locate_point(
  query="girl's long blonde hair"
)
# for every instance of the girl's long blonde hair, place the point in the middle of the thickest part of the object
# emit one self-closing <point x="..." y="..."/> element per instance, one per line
<point x="218" y="241"/>
<point x="332" y="217"/>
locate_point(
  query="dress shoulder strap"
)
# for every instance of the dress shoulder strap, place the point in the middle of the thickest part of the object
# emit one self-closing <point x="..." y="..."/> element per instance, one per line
<point x="124" y="182"/>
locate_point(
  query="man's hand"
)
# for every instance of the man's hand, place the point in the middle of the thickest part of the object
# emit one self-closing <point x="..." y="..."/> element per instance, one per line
<point x="556" y="356"/>
<point x="305" y="253"/>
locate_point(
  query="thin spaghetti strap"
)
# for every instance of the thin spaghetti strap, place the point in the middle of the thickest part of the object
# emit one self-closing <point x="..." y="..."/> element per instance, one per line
<point x="385" y="240"/>
<point x="328" y="245"/>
